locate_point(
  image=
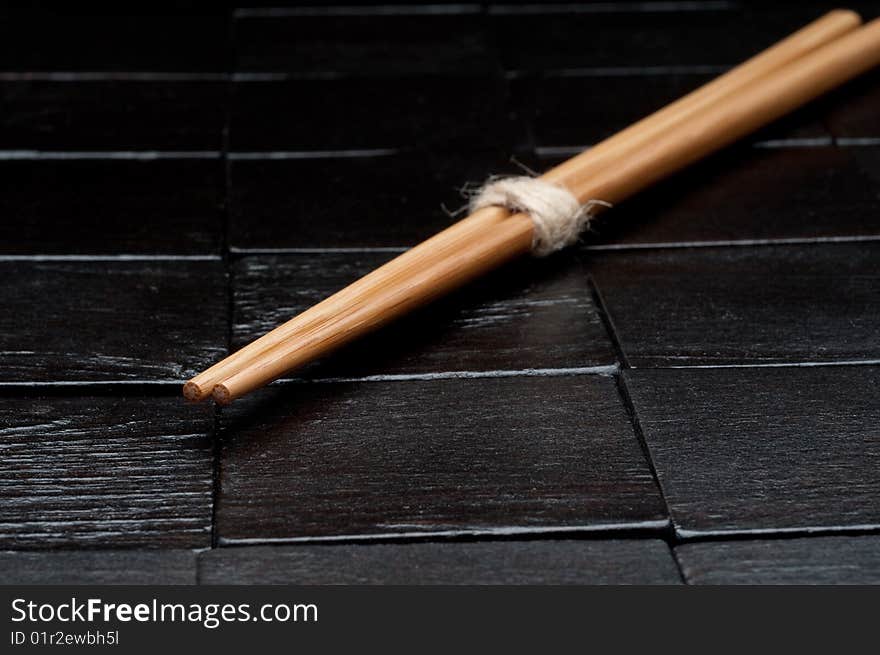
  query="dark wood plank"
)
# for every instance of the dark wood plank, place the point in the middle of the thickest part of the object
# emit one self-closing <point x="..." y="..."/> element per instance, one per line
<point x="853" y="109"/>
<point x="426" y="112"/>
<point x="162" y="206"/>
<point x="535" y="38"/>
<point x="69" y="38"/>
<point x="492" y="455"/>
<point x="359" y="41"/>
<point x="104" y="471"/>
<point x="814" y="303"/>
<point x="644" y="561"/>
<point x="813" y="560"/>
<point x="752" y="449"/>
<point x="535" y="314"/>
<point x="574" y="111"/>
<point x="751" y="193"/>
<point x="389" y="201"/>
<point x="88" y="567"/>
<point x="868" y="159"/>
<point x="110" y="320"/>
<point x="121" y="115"/>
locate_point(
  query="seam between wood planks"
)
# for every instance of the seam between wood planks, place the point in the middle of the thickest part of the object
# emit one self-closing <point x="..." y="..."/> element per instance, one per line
<point x="669" y="535"/>
<point x="749" y="534"/>
<point x="647" y="528"/>
<point x="100" y="76"/>
<point x="169" y="386"/>
<point x="138" y="155"/>
<point x="611" y="248"/>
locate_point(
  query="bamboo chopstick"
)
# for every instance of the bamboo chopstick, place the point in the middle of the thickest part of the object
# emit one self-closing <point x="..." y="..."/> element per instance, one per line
<point x="823" y="30"/>
<point x="653" y="148"/>
<point x="817" y="33"/>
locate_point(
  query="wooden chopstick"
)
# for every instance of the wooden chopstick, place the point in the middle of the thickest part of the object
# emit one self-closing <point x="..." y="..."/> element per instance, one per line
<point x="346" y="327"/>
<point x="506" y="241"/>
<point x="815" y="34"/>
<point x="753" y="107"/>
<point x="823" y="30"/>
<point x="506" y="238"/>
<point x="473" y="227"/>
<point x="465" y="230"/>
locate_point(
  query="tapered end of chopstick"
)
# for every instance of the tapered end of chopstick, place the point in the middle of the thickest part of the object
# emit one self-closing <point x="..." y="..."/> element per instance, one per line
<point x="194" y="393"/>
<point x="221" y="394"/>
<point x="846" y="14"/>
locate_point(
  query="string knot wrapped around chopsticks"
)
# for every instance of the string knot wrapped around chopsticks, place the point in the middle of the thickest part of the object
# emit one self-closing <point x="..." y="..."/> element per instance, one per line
<point x="558" y="216"/>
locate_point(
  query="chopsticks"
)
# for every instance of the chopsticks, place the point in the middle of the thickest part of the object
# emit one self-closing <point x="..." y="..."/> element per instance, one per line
<point x="797" y="69"/>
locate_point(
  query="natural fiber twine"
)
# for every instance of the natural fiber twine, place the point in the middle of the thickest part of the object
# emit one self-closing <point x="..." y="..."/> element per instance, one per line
<point x="558" y="216"/>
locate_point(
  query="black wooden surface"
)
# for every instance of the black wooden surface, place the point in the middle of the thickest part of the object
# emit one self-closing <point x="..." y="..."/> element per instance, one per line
<point x="110" y="320"/>
<point x="772" y="304"/>
<point x="748" y="194"/>
<point x="531" y="316"/>
<point x="135" y="38"/>
<point x="763" y="449"/>
<point x="377" y="210"/>
<point x="47" y="114"/>
<point x="147" y="567"/>
<point x="303" y="40"/>
<point x="104" y="471"/>
<point x="855" y="120"/>
<point x="642" y="561"/>
<point x="633" y="38"/>
<point x="567" y="112"/>
<point x="814" y="560"/>
<point x="435" y="112"/>
<point x="178" y="183"/>
<point x="111" y="206"/>
<point x="541" y="453"/>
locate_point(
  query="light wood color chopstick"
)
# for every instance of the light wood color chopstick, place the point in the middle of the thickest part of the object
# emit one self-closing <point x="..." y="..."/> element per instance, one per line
<point x="500" y="245"/>
<point x="755" y="106"/>
<point x="418" y="257"/>
<point x="506" y="239"/>
<point x="473" y="227"/>
<point x="820" y="31"/>
<point x="823" y="30"/>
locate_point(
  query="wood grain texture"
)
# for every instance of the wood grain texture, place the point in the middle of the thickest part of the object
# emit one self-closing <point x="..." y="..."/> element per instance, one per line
<point x="744" y="305"/>
<point x="868" y="159"/>
<point x="47" y="38"/>
<point x="492" y="455"/>
<point x="91" y="567"/>
<point x="751" y="193"/>
<point x="644" y="561"/>
<point x="575" y="111"/>
<point x="296" y="203"/>
<point x="176" y="115"/>
<point x="365" y="42"/>
<point x="737" y="450"/>
<point x="535" y="314"/>
<point x="534" y="38"/>
<point x="744" y="450"/>
<point x="443" y="113"/>
<point x="110" y="320"/>
<point x="110" y="207"/>
<point x="102" y="471"/>
<point x="813" y="560"/>
<point x="853" y="112"/>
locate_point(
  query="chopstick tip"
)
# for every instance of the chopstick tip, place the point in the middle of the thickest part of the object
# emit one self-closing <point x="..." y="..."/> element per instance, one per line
<point x="845" y="12"/>
<point x="193" y="392"/>
<point x="221" y="395"/>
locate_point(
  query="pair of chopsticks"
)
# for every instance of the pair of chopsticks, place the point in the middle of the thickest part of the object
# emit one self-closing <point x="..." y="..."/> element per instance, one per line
<point x="814" y="60"/>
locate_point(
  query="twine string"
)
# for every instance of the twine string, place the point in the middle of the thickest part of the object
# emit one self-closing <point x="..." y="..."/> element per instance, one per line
<point x="558" y="216"/>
